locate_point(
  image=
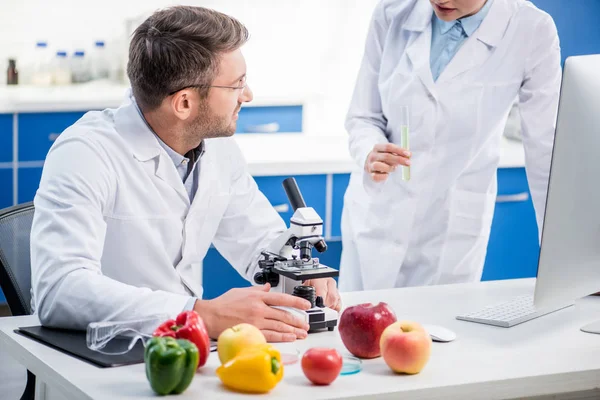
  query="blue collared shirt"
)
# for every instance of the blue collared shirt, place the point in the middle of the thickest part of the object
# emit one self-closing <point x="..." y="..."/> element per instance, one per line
<point x="448" y="37"/>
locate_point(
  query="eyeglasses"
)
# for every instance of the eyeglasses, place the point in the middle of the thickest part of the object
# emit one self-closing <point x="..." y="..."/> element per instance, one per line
<point x="241" y="87"/>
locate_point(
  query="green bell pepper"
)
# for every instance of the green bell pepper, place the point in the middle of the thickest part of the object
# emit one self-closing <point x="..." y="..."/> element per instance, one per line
<point x="170" y="364"/>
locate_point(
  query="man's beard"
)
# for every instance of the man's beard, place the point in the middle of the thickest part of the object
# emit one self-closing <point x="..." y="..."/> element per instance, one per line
<point x="209" y="125"/>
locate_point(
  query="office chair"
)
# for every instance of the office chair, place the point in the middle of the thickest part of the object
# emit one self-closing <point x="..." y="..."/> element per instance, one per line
<point x="15" y="267"/>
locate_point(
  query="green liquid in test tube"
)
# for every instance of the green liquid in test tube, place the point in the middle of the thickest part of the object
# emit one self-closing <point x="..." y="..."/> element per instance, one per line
<point x="404" y="139"/>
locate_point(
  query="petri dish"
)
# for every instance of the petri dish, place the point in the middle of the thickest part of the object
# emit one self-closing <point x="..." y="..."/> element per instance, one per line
<point x="351" y="365"/>
<point x="290" y="357"/>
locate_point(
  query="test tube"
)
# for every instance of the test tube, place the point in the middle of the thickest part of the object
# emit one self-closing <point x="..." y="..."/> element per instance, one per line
<point x="404" y="138"/>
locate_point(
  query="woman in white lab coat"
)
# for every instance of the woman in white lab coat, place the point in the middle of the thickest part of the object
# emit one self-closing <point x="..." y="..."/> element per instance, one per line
<point x="458" y="65"/>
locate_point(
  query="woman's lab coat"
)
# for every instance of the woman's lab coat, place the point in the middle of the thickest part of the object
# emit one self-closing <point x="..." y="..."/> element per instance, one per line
<point x="434" y="229"/>
<point x="114" y="236"/>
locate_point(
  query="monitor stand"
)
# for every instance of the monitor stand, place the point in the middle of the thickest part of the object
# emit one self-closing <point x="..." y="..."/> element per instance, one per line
<point x="594" y="327"/>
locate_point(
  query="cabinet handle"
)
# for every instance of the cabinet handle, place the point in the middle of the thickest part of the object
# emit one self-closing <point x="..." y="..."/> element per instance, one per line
<point x="282" y="208"/>
<point x="512" y="198"/>
<point x="53" y="136"/>
<point x="271" y="127"/>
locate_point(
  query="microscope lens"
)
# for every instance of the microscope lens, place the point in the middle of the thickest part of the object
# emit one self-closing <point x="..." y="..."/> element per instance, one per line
<point x="305" y="251"/>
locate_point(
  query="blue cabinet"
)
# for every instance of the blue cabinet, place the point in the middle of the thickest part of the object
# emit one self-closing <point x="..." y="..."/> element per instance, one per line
<point x="218" y="276"/>
<point x="6" y="138"/>
<point x="270" y="119"/>
<point x="513" y="249"/>
<point x="312" y="187"/>
<point x="37" y="132"/>
<point x="6" y="188"/>
<point x="340" y="183"/>
<point x="29" y="182"/>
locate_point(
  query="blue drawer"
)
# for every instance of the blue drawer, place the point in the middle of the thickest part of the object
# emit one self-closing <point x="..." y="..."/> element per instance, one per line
<point x="37" y="132"/>
<point x="29" y="182"/>
<point x="6" y="187"/>
<point x="340" y="183"/>
<point x="6" y="138"/>
<point x="513" y="249"/>
<point x="270" y="119"/>
<point x="312" y="187"/>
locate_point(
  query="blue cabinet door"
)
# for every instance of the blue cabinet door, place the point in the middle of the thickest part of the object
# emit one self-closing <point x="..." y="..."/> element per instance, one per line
<point x="37" y="132"/>
<point x="513" y="249"/>
<point x="6" y="138"/>
<point x="218" y="276"/>
<point x="340" y="183"/>
<point x="6" y="187"/>
<point x="312" y="187"/>
<point x="270" y="119"/>
<point x="29" y="182"/>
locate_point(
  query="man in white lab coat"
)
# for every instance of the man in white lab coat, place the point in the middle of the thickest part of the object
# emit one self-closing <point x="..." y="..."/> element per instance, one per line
<point x="458" y="65"/>
<point x="131" y="198"/>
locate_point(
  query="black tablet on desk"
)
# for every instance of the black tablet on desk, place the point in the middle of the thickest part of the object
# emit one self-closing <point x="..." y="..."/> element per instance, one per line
<point x="73" y="342"/>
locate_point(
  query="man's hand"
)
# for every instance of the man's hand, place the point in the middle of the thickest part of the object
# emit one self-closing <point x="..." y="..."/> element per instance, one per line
<point x="384" y="158"/>
<point x="251" y="305"/>
<point x="327" y="289"/>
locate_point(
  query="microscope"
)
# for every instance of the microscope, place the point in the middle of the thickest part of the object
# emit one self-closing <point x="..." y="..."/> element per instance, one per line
<point x="288" y="261"/>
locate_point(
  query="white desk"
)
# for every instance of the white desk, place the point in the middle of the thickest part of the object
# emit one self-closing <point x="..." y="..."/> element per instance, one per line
<point x="543" y="356"/>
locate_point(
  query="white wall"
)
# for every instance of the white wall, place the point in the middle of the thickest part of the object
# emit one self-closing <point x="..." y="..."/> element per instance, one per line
<point x="304" y="47"/>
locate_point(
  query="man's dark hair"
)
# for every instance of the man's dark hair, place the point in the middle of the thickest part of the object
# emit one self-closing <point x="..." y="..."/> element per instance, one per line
<point x="179" y="47"/>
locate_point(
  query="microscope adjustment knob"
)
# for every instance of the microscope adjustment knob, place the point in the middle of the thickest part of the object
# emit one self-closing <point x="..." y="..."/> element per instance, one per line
<point x="260" y="278"/>
<point x="263" y="277"/>
<point x="319" y="302"/>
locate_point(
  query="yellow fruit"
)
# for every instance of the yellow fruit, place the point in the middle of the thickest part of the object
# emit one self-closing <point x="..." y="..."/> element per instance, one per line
<point x="233" y="340"/>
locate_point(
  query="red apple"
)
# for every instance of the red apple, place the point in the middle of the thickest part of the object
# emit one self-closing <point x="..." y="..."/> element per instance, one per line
<point x="361" y="327"/>
<point x="405" y="347"/>
<point x="321" y="366"/>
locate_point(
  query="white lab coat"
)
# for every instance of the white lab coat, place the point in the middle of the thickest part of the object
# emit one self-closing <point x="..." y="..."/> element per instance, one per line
<point x="435" y="228"/>
<point x="114" y="236"/>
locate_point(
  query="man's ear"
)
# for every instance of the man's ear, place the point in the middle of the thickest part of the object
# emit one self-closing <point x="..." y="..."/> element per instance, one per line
<point x="181" y="104"/>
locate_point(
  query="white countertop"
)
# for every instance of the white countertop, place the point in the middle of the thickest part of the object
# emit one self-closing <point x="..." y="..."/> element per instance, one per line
<point x="540" y="357"/>
<point x="305" y="154"/>
<point x="95" y="95"/>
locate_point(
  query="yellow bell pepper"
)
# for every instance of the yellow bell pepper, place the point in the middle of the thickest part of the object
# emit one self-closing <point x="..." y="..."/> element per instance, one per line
<point x="256" y="369"/>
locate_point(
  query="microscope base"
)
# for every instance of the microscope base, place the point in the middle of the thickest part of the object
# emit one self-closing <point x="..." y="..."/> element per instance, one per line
<point x="322" y="318"/>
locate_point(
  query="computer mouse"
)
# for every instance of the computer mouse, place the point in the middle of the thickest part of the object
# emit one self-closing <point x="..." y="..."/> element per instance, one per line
<point x="439" y="333"/>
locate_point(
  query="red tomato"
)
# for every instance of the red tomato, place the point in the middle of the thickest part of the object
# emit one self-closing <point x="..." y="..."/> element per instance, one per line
<point x="321" y="366"/>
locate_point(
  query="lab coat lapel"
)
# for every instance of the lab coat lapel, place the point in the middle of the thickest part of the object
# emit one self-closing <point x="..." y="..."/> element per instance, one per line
<point x="165" y="170"/>
<point x="480" y="46"/>
<point x="418" y="52"/>
<point x="145" y="147"/>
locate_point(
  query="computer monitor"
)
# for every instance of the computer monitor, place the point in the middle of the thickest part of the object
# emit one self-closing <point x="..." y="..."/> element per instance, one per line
<point x="569" y="262"/>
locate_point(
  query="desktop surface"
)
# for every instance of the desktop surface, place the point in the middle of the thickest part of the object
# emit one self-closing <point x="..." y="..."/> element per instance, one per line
<point x="546" y="355"/>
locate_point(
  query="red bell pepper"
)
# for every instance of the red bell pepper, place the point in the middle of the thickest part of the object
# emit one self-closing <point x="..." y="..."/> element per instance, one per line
<point x="188" y="325"/>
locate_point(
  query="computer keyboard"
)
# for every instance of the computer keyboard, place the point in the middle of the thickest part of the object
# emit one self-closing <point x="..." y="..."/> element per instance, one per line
<point x="510" y="313"/>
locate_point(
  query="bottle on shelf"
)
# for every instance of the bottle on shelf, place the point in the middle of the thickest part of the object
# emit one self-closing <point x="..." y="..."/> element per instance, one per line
<point x="12" y="75"/>
<point x="61" y="69"/>
<point x="41" y="74"/>
<point x="99" y="63"/>
<point x="80" y="69"/>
